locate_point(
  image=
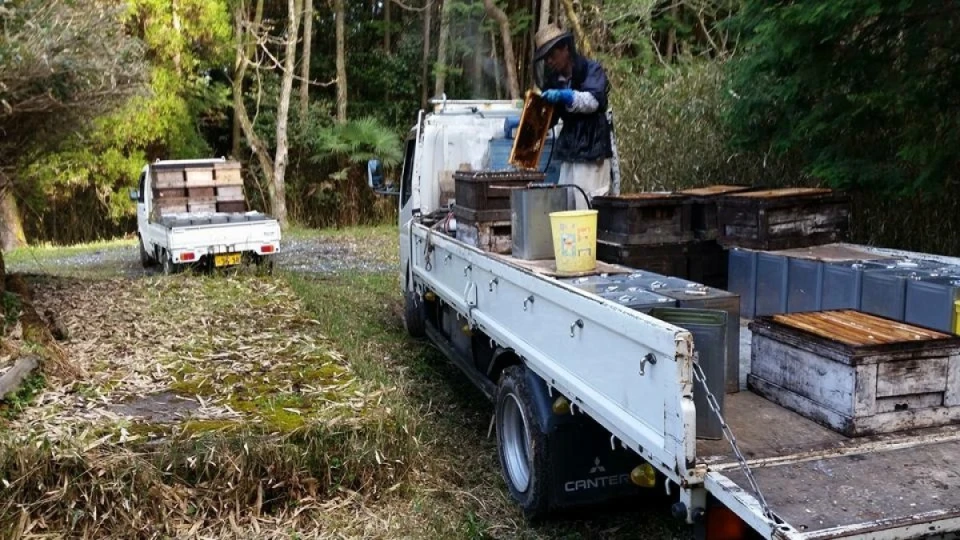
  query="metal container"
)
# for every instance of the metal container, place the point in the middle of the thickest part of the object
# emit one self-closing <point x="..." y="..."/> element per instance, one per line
<point x="708" y="298"/>
<point x="530" y="217"/>
<point x="598" y="284"/>
<point x="772" y="284"/>
<point x="639" y="300"/>
<point x="805" y="285"/>
<point x="930" y="302"/>
<point x="709" y="338"/>
<point x="884" y="291"/>
<point x="742" y="279"/>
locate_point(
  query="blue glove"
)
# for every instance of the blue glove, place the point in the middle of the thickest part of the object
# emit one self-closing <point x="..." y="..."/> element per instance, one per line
<point x="556" y="96"/>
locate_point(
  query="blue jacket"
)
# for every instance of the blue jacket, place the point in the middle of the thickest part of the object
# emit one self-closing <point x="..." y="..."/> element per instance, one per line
<point x="585" y="137"/>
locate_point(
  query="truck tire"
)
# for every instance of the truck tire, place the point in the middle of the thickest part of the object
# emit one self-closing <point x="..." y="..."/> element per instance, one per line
<point x="145" y="259"/>
<point x="169" y="267"/>
<point x="521" y="444"/>
<point x="265" y="265"/>
<point x="414" y="315"/>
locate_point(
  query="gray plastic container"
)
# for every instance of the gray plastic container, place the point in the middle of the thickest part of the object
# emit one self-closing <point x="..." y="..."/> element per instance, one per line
<point x="884" y="291"/>
<point x="930" y="302"/>
<point x="842" y="285"/>
<point x="709" y="337"/>
<point x="805" y="285"/>
<point x="742" y="279"/>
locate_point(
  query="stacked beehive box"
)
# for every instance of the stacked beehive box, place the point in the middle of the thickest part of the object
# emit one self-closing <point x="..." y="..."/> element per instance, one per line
<point x="200" y="190"/>
<point x="483" y="206"/>
<point x="229" y="188"/>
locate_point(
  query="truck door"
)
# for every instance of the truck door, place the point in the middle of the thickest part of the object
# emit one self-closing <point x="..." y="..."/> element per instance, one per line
<point x="142" y="212"/>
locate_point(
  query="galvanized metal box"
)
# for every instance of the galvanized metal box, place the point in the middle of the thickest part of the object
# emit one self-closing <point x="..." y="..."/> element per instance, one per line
<point x="742" y="279"/>
<point x="806" y="285"/>
<point x="530" y="218"/>
<point x="857" y="373"/>
<point x="772" y="284"/>
<point x="642" y="301"/>
<point x="842" y="284"/>
<point x="884" y="292"/>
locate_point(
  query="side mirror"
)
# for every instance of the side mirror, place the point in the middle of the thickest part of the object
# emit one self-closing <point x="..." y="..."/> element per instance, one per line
<point x="374" y="174"/>
<point x="134" y="194"/>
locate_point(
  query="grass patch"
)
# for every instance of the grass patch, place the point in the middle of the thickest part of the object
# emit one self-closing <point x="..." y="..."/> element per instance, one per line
<point x="14" y="404"/>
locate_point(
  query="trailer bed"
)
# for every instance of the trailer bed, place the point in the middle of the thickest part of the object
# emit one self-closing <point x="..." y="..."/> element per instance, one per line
<point x="826" y="485"/>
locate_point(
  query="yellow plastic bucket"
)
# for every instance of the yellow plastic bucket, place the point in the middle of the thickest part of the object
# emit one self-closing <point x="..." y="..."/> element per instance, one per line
<point x="575" y="240"/>
<point x="956" y="317"/>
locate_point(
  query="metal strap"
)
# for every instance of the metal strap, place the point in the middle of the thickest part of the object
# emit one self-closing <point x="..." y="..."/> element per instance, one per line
<point x="728" y="434"/>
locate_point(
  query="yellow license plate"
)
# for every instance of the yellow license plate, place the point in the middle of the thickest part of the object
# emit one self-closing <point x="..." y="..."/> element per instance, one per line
<point x="226" y="259"/>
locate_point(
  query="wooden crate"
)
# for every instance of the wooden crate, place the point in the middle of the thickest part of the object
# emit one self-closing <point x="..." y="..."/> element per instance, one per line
<point x="164" y="178"/>
<point x="169" y="193"/>
<point x="783" y="218"/>
<point x="231" y="207"/>
<point x="202" y="204"/>
<point x="228" y="174"/>
<point x="703" y="208"/>
<point x="643" y="219"/>
<point x="487" y="194"/>
<point x="199" y="177"/>
<point x="200" y="192"/>
<point x="492" y="236"/>
<point x="857" y="373"/>
<point x="230" y="193"/>
<point x="669" y="259"/>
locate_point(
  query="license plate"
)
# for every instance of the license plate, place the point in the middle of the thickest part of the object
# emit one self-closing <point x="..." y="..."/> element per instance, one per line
<point x="226" y="259"/>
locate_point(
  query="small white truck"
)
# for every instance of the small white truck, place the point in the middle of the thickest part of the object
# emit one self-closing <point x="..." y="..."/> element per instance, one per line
<point x="192" y="213"/>
<point x="589" y="396"/>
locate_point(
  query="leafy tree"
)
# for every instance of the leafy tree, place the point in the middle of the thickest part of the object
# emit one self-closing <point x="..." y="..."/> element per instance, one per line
<point x="866" y="90"/>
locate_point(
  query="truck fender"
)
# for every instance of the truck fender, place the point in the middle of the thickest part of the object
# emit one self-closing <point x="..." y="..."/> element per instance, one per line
<point x="543" y="403"/>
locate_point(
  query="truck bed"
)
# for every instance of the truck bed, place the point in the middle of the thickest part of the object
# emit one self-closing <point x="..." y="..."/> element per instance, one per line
<point x="171" y="221"/>
<point x="826" y="485"/>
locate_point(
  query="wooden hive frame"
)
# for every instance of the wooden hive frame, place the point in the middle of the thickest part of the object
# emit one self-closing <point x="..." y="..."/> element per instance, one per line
<point x="535" y="122"/>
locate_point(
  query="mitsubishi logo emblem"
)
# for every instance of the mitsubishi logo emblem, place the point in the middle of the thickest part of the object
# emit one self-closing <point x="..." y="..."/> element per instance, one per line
<point x="597" y="467"/>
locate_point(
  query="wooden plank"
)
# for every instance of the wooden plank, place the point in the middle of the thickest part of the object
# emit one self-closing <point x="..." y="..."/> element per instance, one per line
<point x="911" y="377"/>
<point x="865" y="393"/>
<point x="827" y="383"/>
<point x="914" y="401"/>
<point x="783" y="192"/>
<point x="795" y="402"/>
<point x="951" y="397"/>
<point x="813" y="329"/>
<point x="714" y="190"/>
<point x="837" y="324"/>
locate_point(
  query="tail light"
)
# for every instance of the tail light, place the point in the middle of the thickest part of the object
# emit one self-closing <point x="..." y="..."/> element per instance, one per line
<point x="723" y="524"/>
<point x="266" y="248"/>
<point x="189" y="256"/>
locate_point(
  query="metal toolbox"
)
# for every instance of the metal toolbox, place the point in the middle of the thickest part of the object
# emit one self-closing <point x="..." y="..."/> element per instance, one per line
<point x="857" y="373"/>
<point x="643" y="219"/>
<point x="783" y="218"/>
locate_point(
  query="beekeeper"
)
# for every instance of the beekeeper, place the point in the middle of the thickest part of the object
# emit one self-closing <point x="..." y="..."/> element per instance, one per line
<point x="578" y="89"/>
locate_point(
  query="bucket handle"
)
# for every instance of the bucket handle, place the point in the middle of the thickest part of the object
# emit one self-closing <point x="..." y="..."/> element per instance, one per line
<point x="578" y="188"/>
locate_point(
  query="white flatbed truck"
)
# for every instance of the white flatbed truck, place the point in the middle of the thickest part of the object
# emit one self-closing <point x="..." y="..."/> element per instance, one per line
<point x="586" y="391"/>
<point x="211" y="239"/>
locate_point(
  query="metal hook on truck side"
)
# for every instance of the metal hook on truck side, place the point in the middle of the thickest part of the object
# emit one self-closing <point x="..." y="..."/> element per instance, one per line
<point x="526" y="300"/>
<point x="577" y="324"/>
<point x="649" y="358"/>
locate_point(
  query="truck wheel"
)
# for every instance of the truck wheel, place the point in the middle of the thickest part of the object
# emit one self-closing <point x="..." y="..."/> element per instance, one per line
<point x="521" y="444"/>
<point x="168" y="266"/>
<point x="414" y="315"/>
<point x="145" y="259"/>
<point x="265" y="265"/>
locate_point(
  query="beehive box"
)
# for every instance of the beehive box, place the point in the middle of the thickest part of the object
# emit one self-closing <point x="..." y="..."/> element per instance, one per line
<point x="200" y="192"/>
<point x="703" y="208"/>
<point x="170" y="205"/>
<point x="230" y="193"/>
<point x="169" y="193"/>
<point x="707" y="263"/>
<point x="492" y="236"/>
<point x="484" y="196"/>
<point x="164" y="178"/>
<point x="227" y="174"/>
<point x="669" y="259"/>
<point x="643" y="219"/>
<point x="199" y="177"/>
<point x="783" y="218"/>
<point x="857" y="373"/>
<point x="231" y="206"/>
<point x="202" y="204"/>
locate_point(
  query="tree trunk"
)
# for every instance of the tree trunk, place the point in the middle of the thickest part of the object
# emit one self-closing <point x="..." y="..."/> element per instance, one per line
<point x="246" y="46"/>
<point x="305" y="63"/>
<point x="425" y="71"/>
<point x="544" y="13"/>
<point x="283" y="110"/>
<point x="386" y="26"/>
<point x="672" y="34"/>
<point x="441" y="67"/>
<point x="498" y="89"/>
<point x="509" y="58"/>
<point x="577" y="29"/>
<point x="341" y="62"/>
<point x="11" y="234"/>
<point x="177" y="28"/>
<point x="259" y="148"/>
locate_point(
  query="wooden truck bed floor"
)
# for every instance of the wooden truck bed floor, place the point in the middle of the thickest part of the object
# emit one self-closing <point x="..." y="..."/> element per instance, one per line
<point x="827" y="485"/>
